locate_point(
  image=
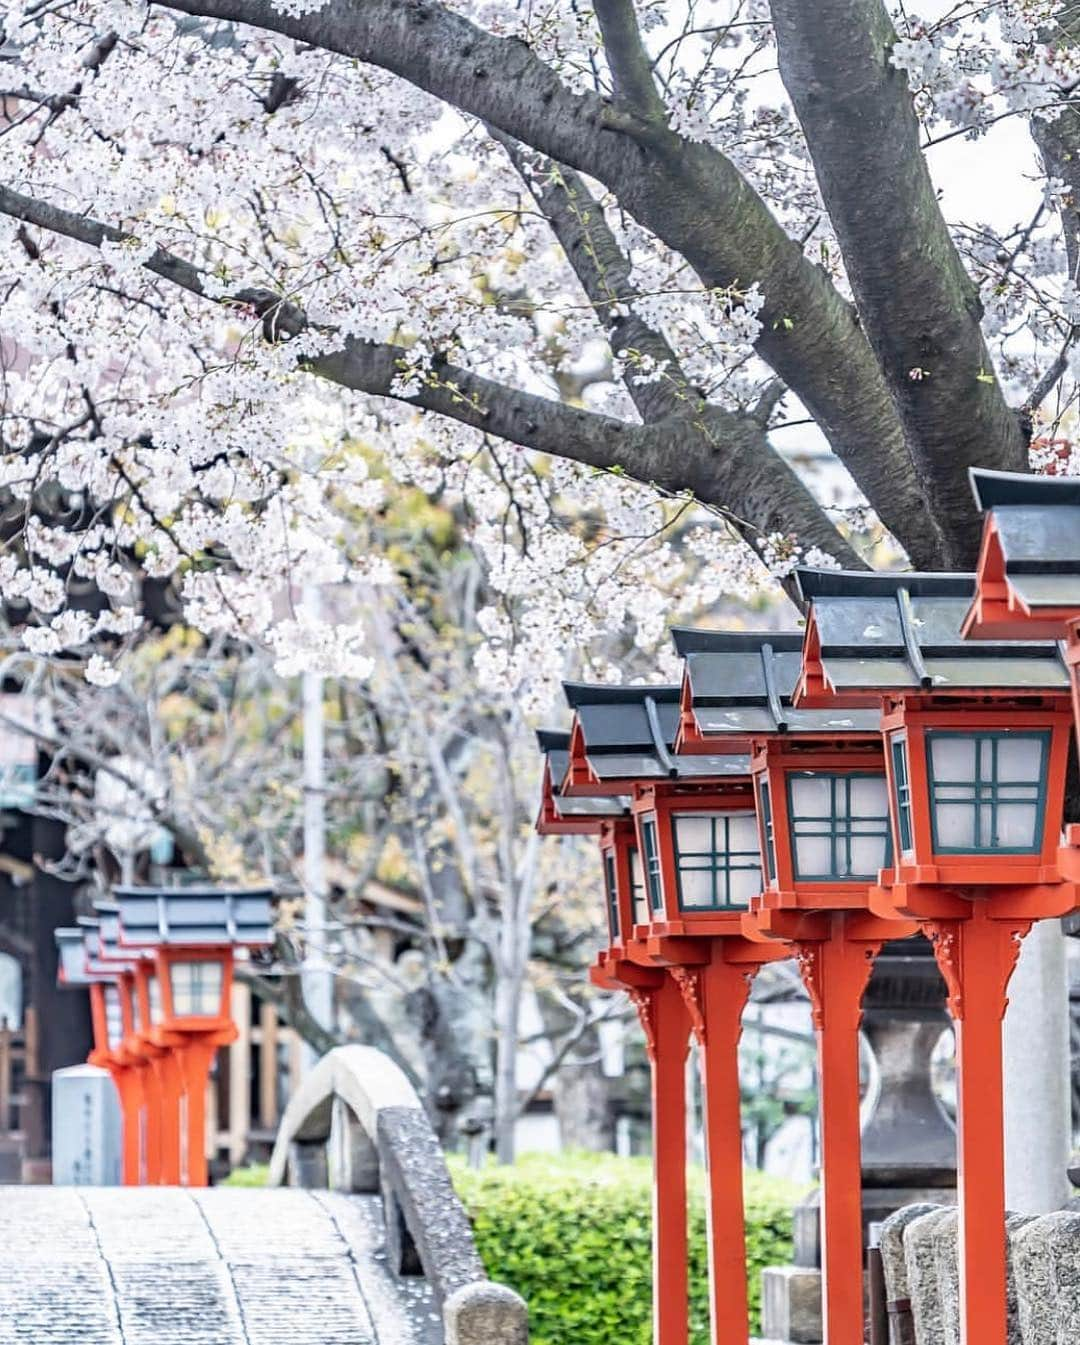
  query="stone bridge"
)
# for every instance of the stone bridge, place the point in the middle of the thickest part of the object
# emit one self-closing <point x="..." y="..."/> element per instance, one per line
<point x="375" y="1251"/>
<point x="163" y="1266"/>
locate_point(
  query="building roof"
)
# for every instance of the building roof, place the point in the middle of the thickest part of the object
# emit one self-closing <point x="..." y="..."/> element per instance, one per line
<point x="629" y="733"/>
<point x="743" y="682"/>
<point x="904" y="631"/>
<point x="194" y="917"/>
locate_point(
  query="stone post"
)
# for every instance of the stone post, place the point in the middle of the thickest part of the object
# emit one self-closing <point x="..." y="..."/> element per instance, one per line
<point x="483" y="1313"/>
<point x="919" y="1251"/>
<point x="908" y="1143"/>
<point x="894" y="1265"/>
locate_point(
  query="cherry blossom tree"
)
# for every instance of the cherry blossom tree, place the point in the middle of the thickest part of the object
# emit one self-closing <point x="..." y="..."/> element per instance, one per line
<point x="239" y="232"/>
<point x="596" y="276"/>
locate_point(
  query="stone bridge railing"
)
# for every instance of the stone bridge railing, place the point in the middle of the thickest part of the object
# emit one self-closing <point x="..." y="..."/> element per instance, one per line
<point x="357" y="1125"/>
<point x="918" y="1247"/>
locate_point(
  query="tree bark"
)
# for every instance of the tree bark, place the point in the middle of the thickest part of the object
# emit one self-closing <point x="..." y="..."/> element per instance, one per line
<point x="509" y="986"/>
<point x="920" y="308"/>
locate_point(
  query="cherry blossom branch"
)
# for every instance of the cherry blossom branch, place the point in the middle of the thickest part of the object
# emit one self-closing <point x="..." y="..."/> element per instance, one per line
<point x="720" y="458"/>
<point x="920" y="308"/>
<point x="653" y="374"/>
<point x="690" y="195"/>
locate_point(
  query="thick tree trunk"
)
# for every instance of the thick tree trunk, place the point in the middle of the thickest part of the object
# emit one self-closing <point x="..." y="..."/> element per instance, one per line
<point x="917" y="303"/>
<point x="583" y="1101"/>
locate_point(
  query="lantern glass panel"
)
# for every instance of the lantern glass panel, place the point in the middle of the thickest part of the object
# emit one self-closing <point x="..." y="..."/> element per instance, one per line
<point x="902" y="787"/>
<point x="766" y="816"/>
<point x="652" y="862"/>
<point x="114" y="1017"/>
<point x="611" y="892"/>
<point x="153" y="988"/>
<point x="196" y="989"/>
<point x="987" y="791"/>
<point x="717" y="859"/>
<point x="839" y="826"/>
<point x="638" y="902"/>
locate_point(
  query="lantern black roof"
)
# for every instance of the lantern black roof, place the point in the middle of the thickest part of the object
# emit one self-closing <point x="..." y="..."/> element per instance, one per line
<point x="86" y="957"/>
<point x="194" y="916"/>
<point x="71" y="944"/>
<point x="1037" y="520"/>
<point x="629" y="733"/>
<point x="555" y="745"/>
<point x="995" y="489"/>
<point x="903" y="631"/>
<point x="743" y="681"/>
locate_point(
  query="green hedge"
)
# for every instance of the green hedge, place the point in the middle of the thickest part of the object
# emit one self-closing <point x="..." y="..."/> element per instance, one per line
<point x="573" y="1235"/>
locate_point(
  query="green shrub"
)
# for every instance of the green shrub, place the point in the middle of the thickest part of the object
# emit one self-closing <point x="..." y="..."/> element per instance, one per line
<point x="254" y="1175"/>
<point x="573" y="1235"/>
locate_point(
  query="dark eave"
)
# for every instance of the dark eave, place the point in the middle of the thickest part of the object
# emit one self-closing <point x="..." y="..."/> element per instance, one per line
<point x="993" y="490"/>
<point x="692" y="640"/>
<point x="592" y="693"/>
<point x="881" y="584"/>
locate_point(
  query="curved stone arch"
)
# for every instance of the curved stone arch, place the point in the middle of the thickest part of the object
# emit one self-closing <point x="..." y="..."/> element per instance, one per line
<point x="356" y="1124"/>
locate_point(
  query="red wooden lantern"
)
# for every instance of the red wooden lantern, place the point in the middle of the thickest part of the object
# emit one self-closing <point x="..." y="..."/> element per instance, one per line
<point x="1027" y="585"/>
<point x="822" y="818"/>
<point x="1027" y="581"/>
<point x="185" y="994"/>
<point x="976" y="740"/>
<point x="678" y="875"/>
<point x="110" y="985"/>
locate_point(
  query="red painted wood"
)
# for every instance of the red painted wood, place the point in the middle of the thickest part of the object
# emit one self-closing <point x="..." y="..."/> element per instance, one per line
<point x="666" y="1023"/>
<point x="129" y="1087"/>
<point x="836" y="971"/>
<point x="724" y="991"/>
<point x="170" y="1086"/>
<point x="151" y="1136"/>
<point x="977" y="957"/>
<point x="196" y="1059"/>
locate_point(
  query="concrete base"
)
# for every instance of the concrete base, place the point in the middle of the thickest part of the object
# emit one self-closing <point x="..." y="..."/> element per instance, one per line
<point x="791" y="1304"/>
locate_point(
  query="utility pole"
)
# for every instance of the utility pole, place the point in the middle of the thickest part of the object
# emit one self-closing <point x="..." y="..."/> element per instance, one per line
<point x="318" y="976"/>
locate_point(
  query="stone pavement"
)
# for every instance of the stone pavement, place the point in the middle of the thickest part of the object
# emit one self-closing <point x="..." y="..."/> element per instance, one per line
<point x="225" y="1266"/>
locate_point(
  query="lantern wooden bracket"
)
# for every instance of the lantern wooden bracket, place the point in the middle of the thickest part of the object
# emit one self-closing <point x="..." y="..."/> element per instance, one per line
<point x="998" y="950"/>
<point x="689" y="982"/>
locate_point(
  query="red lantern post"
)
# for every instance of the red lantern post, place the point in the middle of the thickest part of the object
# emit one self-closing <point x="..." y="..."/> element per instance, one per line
<point x="819" y="787"/>
<point x="1027" y="583"/>
<point x="678" y="878"/>
<point x="110" y="986"/>
<point x="160" y="1079"/>
<point x="975" y="752"/>
<point x="574" y="781"/>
